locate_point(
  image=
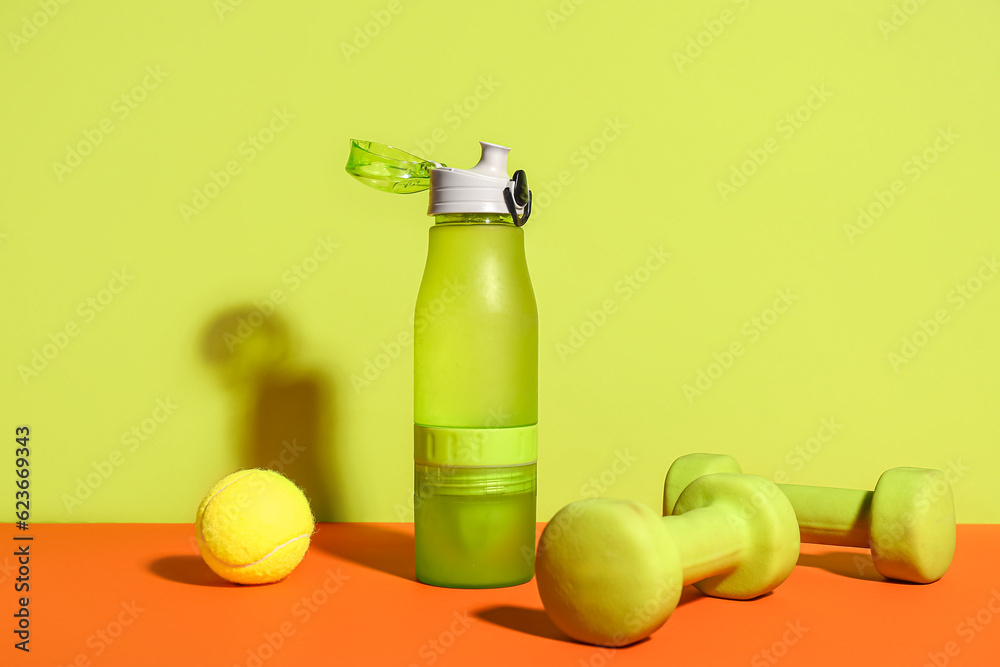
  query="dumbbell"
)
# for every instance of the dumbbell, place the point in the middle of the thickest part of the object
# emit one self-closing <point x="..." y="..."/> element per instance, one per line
<point x="610" y="571"/>
<point x="908" y="521"/>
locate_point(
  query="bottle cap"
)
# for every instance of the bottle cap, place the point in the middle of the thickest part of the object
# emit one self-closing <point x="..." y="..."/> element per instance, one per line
<point x="485" y="188"/>
<point x="475" y="190"/>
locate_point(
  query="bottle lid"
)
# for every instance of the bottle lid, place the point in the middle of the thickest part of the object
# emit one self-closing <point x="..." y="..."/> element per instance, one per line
<point x="485" y="188"/>
<point x="389" y="169"/>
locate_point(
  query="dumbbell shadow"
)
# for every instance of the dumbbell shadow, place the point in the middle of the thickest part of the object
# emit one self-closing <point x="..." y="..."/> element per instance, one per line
<point x="537" y="623"/>
<point x="844" y="564"/>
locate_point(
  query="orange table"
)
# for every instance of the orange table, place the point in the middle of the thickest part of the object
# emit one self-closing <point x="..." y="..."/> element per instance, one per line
<point x="139" y="595"/>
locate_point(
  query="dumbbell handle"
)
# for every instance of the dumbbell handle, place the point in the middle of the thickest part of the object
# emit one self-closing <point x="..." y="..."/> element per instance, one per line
<point x="707" y="540"/>
<point x="833" y="516"/>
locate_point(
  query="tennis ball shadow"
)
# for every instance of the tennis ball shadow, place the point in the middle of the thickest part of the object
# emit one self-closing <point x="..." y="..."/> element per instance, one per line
<point x="190" y="570"/>
<point x="283" y="411"/>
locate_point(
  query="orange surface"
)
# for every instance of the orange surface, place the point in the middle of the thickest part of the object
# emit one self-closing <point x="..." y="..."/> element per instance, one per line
<point x="139" y="595"/>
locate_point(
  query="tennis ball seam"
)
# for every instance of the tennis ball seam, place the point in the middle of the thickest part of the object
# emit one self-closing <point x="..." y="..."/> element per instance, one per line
<point x="262" y="558"/>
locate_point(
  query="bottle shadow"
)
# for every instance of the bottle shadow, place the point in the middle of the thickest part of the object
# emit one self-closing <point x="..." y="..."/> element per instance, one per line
<point x="371" y="545"/>
<point x="282" y="416"/>
<point x="283" y="411"/>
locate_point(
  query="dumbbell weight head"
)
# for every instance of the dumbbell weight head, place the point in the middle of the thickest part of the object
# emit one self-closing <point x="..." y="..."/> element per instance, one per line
<point x="607" y="572"/>
<point x="913" y="524"/>
<point x="764" y="518"/>
<point x="690" y="467"/>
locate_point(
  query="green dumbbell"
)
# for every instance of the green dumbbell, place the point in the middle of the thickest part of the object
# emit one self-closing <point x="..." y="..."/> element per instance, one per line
<point x="610" y="572"/>
<point x="908" y="521"/>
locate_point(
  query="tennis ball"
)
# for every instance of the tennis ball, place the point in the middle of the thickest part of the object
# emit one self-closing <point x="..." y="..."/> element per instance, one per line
<point x="254" y="526"/>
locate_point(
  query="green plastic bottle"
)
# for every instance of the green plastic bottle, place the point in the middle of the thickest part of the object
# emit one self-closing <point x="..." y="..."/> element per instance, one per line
<point x="475" y="370"/>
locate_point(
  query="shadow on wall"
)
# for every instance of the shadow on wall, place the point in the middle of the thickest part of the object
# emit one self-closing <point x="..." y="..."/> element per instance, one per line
<point x="282" y="412"/>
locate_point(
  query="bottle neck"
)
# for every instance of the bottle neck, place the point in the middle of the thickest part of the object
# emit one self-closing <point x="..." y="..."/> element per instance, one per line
<point x="474" y="219"/>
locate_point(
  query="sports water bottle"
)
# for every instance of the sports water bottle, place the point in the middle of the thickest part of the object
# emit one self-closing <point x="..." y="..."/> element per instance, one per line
<point x="475" y="369"/>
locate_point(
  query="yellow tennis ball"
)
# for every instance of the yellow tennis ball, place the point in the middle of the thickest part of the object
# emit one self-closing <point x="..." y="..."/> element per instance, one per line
<point x="254" y="526"/>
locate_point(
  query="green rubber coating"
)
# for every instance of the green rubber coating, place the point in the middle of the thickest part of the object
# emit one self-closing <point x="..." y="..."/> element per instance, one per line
<point x="607" y="572"/>
<point x="908" y="520"/>
<point x="913" y="525"/>
<point x="610" y="572"/>
<point x="736" y="534"/>
<point x="690" y="467"/>
<point x="831" y="516"/>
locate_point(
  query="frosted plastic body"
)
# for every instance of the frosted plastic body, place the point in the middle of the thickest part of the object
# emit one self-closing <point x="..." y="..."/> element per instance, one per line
<point x="475" y="367"/>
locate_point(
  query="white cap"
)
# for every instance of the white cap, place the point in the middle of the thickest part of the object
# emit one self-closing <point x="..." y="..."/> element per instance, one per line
<point x="476" y="190"/>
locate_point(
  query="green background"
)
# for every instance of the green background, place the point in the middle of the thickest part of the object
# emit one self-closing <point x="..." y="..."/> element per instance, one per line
<point x="740" y="138"/>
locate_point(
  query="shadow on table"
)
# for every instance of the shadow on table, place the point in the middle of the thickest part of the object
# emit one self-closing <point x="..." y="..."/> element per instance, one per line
<point x="369" y="545"/>
<point x="853" y="565"/>
<point x="187" y="570"/>
<point x="536" y="622"/>
<point x="522" y="619"/>
<point x="282" y="410"/>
